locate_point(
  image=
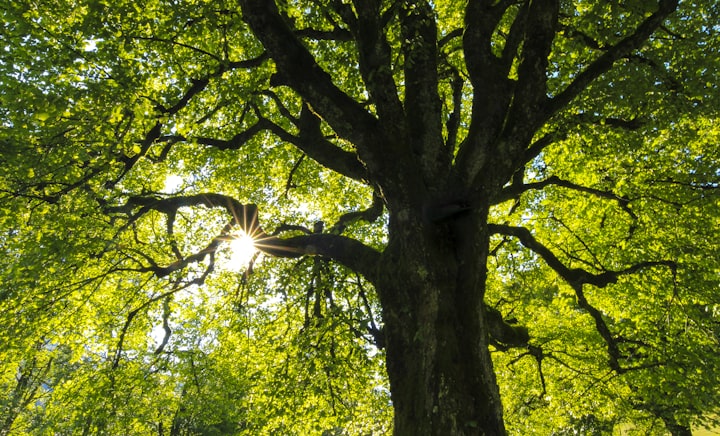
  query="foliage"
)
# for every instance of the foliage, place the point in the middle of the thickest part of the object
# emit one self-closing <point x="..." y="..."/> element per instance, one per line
<point x="136" y="136"/>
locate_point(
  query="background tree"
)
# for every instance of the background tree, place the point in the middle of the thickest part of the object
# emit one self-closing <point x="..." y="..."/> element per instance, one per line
<point x="494" y="197"/>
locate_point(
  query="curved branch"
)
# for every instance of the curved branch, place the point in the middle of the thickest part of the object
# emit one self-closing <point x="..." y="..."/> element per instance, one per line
<point x="538" y="146"/>
<point x="311" y="142"/>
<point x="577" y="277"/>
<point x="515" y="190"/>
<point x="238" y="140"/>
<point x="297" y="68"/>
<point x="574" y="276"/>
<point x="456" y="33"/>
<point x="370" y="215"/>
<point x="347" y="251"/>
<point x="243" y="216"/>
<point x="197" y="86"/>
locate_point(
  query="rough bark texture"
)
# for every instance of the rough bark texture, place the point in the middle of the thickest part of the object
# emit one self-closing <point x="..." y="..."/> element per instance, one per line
<point x="431" y="287"/>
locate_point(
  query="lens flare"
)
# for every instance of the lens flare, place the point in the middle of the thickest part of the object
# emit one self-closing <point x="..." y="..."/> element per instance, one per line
<point x="242" y="250"/>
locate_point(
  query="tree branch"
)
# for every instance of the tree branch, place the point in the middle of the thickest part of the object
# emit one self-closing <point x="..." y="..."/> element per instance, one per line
<point x="622" y="49"/>
<point x="369" y="215"/>
<point x="457" y="33"/>
<point x="574" y="276"/>
<point x="530" y="91"/>
<point x="573" y="33"/>
<point x="297" y="68"/>
<point x="492" y="89"/>
<point x="423" y="106"/>
<point x="515" y="190"/>
<point x="481" y="19"/>
<point x="336" y="34"/>
<point x="577" y="277"/>
<point x="376" y="65"/>
<point x="514" y="38"/>
<point x="197" y="86"/>
<point x="347" y="251"/>
<point x="632" y="124"/>
<point x="310" y="141"/>
<point x="538" y="146"/>
<point x="453" y="122"/>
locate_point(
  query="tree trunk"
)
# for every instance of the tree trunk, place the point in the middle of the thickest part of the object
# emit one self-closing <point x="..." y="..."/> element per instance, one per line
<point x="432" y="286"/>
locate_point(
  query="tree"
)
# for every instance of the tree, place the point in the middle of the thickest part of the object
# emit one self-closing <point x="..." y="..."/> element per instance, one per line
<point x="515" y="196"/>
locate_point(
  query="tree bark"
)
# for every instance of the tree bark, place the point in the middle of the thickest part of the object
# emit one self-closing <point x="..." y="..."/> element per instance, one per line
<point x="431" y="285"/>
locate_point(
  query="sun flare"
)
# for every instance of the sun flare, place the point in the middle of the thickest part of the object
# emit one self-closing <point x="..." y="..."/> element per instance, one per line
<point x="242" y="250"/>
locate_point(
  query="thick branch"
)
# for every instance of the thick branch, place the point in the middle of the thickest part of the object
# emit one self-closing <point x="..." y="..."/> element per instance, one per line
<point x="297" y="68"/>
<point x="528" y="95"/>
<point x="492" y="88"/>
<point x="481" y="19"/>
<point x="347" y="251"/>
<point x="376" y="65"/>
<point x="311" y="142"/>
<point x="530" y="91"/>
<point x="423" y="107"/>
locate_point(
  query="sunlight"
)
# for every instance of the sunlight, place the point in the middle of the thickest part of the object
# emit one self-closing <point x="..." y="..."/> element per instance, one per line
<point x="173" y="182"/>
<point x="242" y="250"/>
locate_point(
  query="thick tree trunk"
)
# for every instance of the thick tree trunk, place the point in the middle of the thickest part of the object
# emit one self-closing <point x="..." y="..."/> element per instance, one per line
<point x="432" y="287"/>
